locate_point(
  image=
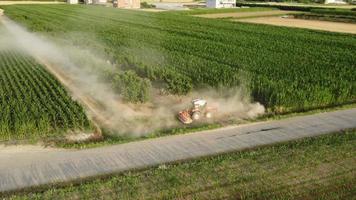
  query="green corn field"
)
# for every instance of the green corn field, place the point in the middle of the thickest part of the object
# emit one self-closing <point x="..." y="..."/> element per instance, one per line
<point x="32" y="102"/>
<point x="285" y="69"/>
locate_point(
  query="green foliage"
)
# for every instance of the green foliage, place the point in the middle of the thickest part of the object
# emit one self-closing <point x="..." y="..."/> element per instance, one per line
<point x="343" y="12"/>
<point x="330" y="14"/>
<point x="327" y="17"/>
<point x="147" y="5"/>
<point x="32" y="102"/>
<point x="281" y="7"/>
<point x="290" y="69"/>
<point x="131" y="87"/>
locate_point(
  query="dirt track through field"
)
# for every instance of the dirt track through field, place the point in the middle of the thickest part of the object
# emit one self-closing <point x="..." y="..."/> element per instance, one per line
<point x="301" y="23"/>
<point x="42" y="167"/>
<point x="247" y="14"/>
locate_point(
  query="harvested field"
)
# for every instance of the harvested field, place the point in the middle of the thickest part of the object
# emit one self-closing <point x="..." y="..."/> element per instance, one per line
<point x="301" y="23"/>
<point x="247" y="14"/>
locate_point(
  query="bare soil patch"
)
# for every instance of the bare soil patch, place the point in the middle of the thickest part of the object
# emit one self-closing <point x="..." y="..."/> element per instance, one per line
<point x="301" y="23"/>
<point x="247" y="14"/>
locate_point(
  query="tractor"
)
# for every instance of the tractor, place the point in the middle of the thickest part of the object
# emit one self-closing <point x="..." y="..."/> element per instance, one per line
<point x="198" y="110"/>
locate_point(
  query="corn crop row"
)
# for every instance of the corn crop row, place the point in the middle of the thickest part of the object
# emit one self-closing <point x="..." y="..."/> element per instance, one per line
<point x="32" y="101"/>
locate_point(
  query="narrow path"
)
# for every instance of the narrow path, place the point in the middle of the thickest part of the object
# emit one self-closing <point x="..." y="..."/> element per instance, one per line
<point x="42" y="167"/>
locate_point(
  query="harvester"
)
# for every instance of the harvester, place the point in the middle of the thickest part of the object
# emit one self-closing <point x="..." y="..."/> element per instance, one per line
<point x="198" y="110"/>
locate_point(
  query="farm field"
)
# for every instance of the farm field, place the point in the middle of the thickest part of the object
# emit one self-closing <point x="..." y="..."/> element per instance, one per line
<point x="86" y="77"/>
<point x="33" y="104"/>
<point x="299" y="70"/>
<point x="312" y="168"/>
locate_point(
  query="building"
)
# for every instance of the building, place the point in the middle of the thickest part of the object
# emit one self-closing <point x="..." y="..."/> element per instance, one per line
<point x="72" y="1"/>
<point x="221" y="3"/>
<point x="94" y="2"/>
<point x="99" y="2"/>
<point x="335" y="2"/>
<point x="127" y="4"/>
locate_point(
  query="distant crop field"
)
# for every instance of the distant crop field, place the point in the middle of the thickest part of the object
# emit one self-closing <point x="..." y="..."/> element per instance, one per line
<point x="32" y="102"/>
<point x="285" y="69"/>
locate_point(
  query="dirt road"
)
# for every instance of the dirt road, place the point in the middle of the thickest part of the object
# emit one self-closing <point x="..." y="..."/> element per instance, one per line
<point x="28" y="169"/>
<point x="301" y="23"/>
<point x="247" y="14"/>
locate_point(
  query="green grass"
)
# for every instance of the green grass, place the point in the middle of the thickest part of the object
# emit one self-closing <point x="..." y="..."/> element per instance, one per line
<point x="312" y="168"/>
<point x="299" y="70"/>
<point x="33" y="104"/>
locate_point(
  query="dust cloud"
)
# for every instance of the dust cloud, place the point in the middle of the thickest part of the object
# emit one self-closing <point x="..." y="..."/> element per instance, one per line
<point x="79" y="70"/>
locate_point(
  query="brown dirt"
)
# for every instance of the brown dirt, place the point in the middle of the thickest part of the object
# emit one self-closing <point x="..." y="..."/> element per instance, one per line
<point x="301" y="23"/>
<point x="247" y="14"/>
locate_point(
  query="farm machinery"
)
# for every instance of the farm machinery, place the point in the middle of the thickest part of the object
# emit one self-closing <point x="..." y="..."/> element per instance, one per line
<point x="198" y="110"/>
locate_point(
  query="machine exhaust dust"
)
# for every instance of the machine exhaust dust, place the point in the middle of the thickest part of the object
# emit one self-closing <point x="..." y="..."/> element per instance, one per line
<point x="79" y="71"/>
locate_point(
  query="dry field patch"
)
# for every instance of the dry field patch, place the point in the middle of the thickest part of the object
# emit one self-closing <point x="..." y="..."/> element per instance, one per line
<point x="301" y="23"/>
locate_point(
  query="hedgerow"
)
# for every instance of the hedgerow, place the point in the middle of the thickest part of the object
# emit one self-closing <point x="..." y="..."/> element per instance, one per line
<point x="343" y="12"/>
